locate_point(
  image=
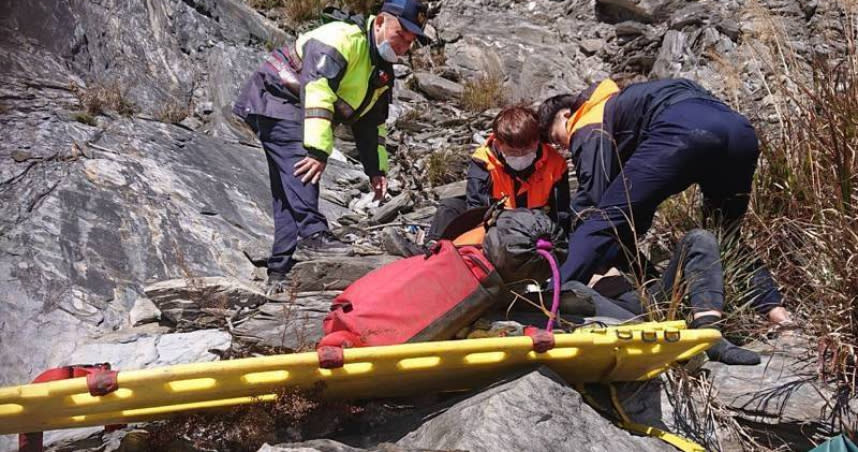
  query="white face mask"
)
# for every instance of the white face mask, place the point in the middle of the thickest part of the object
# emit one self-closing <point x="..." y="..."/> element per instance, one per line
<point x="386" y="52"/>
<point x="521" y="162"/>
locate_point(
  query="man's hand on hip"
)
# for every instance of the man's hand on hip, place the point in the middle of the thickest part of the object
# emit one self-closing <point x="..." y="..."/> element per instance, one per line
<point x="379" y="186"/>
<point x="309" y="169"/>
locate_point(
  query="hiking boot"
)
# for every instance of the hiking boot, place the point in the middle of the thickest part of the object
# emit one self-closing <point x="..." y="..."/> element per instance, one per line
<point x="321" y="244"/>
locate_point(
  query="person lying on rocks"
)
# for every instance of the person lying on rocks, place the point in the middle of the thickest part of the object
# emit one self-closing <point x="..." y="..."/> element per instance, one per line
<point x="515" y="165"/>
<point x="340" y="72"/>
<point x="634" y="148"/>
<point x="694" y="273"/>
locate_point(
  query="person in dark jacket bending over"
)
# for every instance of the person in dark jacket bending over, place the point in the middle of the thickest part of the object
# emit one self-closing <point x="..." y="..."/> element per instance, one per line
<point x="661" y="137"/>
<point x="514" y="163"/>
<point x="338" y="73"/>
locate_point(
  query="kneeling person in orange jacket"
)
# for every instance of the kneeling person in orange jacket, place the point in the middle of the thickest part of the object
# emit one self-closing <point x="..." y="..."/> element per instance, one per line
<point x="515" y="165"/>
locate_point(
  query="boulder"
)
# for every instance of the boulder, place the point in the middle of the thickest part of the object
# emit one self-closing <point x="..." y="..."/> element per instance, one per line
<point x="782" y="398"/>
<point x="451" y="190"/>
<point x="200" y="302"/>
<point x="144" y="311"/>
<point x="390" y="209"/>
<point x="438" y="88"/>
<point x="536" y="411"/>
<point x="327" y="445"/>
<point x="334" y="273"/>
<point x="140" y="351"/>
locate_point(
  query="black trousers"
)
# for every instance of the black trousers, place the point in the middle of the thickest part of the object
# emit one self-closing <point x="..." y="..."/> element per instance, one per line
<point x="694" y="270"/>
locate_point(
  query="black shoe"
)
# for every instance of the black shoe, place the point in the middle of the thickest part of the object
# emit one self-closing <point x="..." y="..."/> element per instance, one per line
<point x="725" y="352"/>
<point x="321" y="244"/>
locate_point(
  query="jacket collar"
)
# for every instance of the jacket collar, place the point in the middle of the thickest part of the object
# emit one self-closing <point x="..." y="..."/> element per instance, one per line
<point x="603" y="92"/>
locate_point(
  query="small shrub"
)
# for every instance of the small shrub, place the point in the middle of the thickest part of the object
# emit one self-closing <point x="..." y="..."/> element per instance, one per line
<point x="361" y="6"/>
<point x="173" y="112"/>
<point x="483" y="92"/>
<point x="99" y="98"/>
<point x="300" y="11"/>
<point x="444" y="167"/>
<point x="292" y="416"/>
<point x="84" y="118"/>
<point x="265" y="5"/>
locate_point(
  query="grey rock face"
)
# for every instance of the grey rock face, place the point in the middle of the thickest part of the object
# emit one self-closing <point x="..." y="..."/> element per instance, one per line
<point x="139" y="351"/>
<point x="533" y="47"/>
<point x="89" y="214"/>
<point x="537" y="411"/>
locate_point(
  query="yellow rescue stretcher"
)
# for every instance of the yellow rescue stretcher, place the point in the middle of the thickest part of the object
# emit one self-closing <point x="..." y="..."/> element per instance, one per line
<point x="587" y="355"/>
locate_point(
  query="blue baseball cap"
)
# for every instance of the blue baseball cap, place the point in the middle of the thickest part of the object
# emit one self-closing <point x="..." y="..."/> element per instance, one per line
<point x="412" y="15"/>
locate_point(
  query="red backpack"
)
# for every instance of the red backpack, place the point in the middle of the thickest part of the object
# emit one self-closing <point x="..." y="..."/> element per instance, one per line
<point x="421" y="298"/>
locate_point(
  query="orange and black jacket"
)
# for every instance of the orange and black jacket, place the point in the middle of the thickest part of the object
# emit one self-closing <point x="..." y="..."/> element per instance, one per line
<point x="545" y="184"/>
<point x="608" y="125"/>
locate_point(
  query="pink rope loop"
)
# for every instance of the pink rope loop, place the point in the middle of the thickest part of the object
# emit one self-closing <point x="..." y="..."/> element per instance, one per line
<point x="542" y="244"/>
<point x="555" y="279"/>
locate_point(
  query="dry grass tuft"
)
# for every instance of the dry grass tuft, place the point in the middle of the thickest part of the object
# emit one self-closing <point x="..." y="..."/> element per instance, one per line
<point x="447" y="166"/>
<point x="99" y="98"/>
<point x="300" y="11"/>
<point x="361" y="6"/>
<point x="293" y="416"/>
<point x="484" y="92"/>
<point x="173" y="112"/>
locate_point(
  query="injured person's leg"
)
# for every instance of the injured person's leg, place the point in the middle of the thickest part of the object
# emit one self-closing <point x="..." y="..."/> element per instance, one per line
<point x="696" y="267"/>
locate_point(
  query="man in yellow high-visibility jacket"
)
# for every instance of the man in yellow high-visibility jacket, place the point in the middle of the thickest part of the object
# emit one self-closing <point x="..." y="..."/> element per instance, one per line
<point x="340" y="72"/>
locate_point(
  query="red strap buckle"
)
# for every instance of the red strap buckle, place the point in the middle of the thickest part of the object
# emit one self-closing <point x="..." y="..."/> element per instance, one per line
<point x="542" y="340"/>
<point x="330" y="357"/>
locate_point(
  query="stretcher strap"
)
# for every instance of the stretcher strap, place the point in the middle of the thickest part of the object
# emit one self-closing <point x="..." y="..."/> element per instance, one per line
<point x="542" y="340"/>
<point x="330" y="357"/>
<point x="683" y="444"/>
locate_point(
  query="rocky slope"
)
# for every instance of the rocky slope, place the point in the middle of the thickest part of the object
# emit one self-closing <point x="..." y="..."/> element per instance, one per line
<point x="129" y="194"/>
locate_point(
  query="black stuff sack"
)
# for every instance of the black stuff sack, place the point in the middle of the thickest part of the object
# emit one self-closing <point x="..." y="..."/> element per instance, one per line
<point x="511" y="244"/>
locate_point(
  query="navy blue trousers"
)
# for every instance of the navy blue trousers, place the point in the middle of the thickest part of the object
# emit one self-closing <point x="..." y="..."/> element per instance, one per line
<point x="694" y="141"/>
<point x="295" y="204"/>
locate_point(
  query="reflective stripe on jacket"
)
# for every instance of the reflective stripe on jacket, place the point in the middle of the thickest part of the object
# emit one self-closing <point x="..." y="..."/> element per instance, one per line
<point x="340" y="79"/>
